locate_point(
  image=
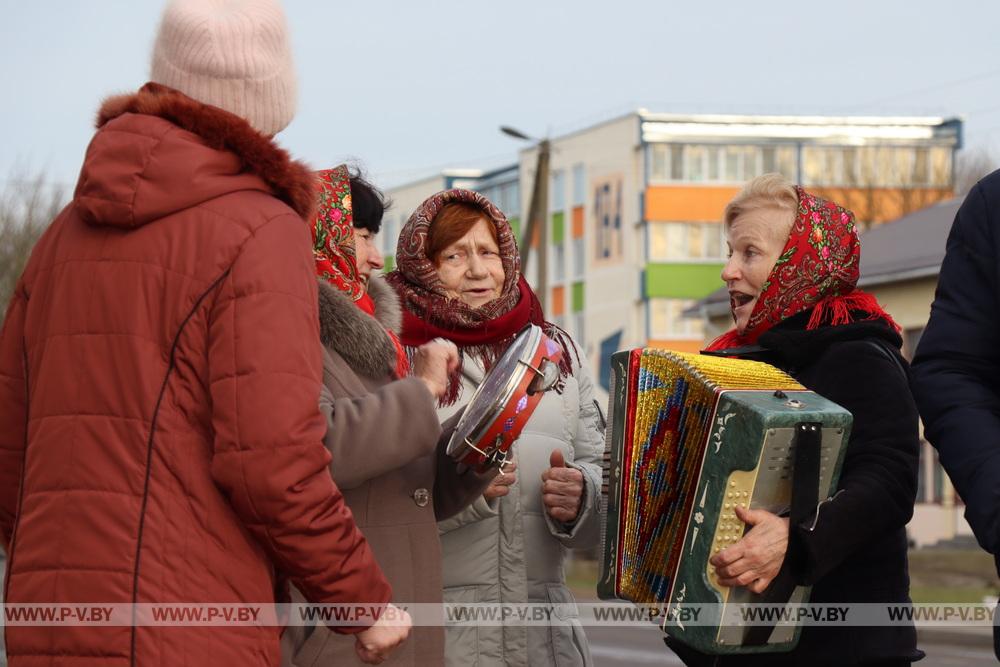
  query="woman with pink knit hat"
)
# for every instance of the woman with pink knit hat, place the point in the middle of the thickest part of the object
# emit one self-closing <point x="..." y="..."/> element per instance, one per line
<point x="160" y="437"/>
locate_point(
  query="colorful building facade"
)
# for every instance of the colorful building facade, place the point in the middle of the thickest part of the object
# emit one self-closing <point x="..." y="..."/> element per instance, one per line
<point x="635" y="203"/>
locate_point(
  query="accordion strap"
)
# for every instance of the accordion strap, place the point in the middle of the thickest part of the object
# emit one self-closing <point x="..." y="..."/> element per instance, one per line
<point x="805" y="496"/>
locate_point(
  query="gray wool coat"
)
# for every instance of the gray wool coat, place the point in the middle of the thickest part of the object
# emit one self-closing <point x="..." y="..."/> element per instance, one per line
<point x="508" y="550"/>
<point x="388" y="460"/>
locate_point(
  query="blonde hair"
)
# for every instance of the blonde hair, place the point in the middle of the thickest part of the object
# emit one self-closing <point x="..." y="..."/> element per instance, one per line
<point x="766" y="191"/>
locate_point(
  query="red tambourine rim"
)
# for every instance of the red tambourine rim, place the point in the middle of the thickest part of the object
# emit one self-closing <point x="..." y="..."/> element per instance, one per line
<point x="510" y="421"/>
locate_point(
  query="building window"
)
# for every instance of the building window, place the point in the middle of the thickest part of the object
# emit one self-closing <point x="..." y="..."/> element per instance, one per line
<point x="940" y="159"/>
<point x="558" y="196"/>
<point x="558" y="263"/>
<point x="695" y="167"/>
<point x="578" y="329"/>
<point x="508" y="199"/>
<point x="579" y="185"/>
<point x="579" y="258"/>
<point x="666" y="320"/>
<point x="734" y="164"/>
<point x="686" y="241"/>
<point x="876" y="166"/>
<point x="715" y="163"/>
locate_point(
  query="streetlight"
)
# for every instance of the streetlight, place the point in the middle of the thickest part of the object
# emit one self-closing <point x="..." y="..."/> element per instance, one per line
<point x="537" y="213"/>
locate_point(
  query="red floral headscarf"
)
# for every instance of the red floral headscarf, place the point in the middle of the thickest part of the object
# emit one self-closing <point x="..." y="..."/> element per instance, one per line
<point x="334" y="250"/>
<point x="484" y="332"/>
<point x="333" y="234"/>
<point x="818" y="269"/>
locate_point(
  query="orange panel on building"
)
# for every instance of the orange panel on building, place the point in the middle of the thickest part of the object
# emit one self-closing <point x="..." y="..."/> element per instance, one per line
<point x="558" y="305"/>
<point x="704" y="203"/>
<point x="693" y="346"/>
<point x="578" y="222"/>
<point x="882" y="204"/>
<point x="687" y="203"/>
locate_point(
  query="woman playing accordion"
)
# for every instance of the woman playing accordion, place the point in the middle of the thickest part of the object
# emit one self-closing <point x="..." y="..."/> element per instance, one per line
<point x="792" y="275"/>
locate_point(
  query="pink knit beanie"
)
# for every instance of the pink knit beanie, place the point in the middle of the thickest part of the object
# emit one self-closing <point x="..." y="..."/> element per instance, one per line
<point x="233" y="54"/>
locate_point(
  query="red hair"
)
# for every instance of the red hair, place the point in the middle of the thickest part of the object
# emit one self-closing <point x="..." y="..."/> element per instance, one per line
<point x="452" y="222"/>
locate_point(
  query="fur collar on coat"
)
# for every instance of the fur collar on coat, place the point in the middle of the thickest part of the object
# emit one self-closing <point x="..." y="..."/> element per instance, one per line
<point x="290" y="180"/>
<point x="353" y="334"/>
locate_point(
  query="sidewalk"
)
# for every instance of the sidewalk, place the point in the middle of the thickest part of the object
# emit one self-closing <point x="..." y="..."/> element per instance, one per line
<point x="971" y="637"/>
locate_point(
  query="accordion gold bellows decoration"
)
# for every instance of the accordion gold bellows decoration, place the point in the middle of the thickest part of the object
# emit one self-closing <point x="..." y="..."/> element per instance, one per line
<point x="689" y="438"/>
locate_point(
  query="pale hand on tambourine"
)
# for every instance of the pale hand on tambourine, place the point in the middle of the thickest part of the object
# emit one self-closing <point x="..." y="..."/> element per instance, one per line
<point x="503" y="403"/>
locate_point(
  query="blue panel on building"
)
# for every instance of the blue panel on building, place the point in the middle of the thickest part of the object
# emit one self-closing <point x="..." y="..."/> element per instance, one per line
<point x="608" y="347"/>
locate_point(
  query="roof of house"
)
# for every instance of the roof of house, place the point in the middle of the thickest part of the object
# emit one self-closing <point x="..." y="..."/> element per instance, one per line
<point x="907" y="248"/>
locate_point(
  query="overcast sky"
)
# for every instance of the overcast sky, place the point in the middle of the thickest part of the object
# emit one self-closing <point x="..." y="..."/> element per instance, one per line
<point x="411" y="86"/>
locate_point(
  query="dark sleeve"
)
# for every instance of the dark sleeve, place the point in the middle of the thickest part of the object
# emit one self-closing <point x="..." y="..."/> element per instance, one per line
<point x="957" y="366"/>
<point x="878" y="481"/>
<point x="379" y="432"/>
<point x="455" y="488"/>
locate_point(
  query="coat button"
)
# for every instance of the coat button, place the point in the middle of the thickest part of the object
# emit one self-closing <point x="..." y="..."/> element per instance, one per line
<point x="421" y="497"/>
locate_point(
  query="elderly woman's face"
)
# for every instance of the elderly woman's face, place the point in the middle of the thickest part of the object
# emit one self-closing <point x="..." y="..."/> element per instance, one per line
<point x="755" y="239"/>
<point x="366" y="252"/>
<point x="470" y="268"/>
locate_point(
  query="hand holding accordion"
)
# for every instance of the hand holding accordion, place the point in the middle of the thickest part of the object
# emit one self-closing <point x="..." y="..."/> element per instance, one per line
<point x="755" y="560"/>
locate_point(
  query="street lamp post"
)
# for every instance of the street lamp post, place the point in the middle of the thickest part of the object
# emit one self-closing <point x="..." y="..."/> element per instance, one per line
<point x="537" y="214"/>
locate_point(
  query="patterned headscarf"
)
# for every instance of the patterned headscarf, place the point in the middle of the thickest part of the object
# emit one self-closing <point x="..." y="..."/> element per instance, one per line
<point x="428" y="312"/>
<point x="818" y="269"/>
<point x="416" y="276"/>
<point x="333" y="233"/>
<point x="334" y="250"/>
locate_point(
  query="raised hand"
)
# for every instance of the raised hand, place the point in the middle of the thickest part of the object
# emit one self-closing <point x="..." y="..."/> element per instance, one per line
<point x="562" y="489"/>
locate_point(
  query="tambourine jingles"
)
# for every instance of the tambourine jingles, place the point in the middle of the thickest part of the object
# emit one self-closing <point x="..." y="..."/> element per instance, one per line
<point x="502" y="404"/>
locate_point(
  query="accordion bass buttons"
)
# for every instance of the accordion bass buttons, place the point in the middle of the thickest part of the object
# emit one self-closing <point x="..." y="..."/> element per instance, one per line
<point x="729" y="529"/>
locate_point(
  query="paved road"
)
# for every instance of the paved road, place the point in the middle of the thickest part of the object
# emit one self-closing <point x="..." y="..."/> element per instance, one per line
<point x="627" y="646"/>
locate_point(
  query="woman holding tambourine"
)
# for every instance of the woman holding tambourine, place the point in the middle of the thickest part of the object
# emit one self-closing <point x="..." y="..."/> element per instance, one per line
<point x="459" y="278"/>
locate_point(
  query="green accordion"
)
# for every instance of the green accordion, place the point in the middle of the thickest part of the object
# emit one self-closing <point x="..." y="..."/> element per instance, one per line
<point x="690" y="437"/>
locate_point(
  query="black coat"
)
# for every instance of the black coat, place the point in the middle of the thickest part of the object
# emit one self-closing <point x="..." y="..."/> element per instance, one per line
<point x="857" y="551"/>
<point x="956" y="371"/>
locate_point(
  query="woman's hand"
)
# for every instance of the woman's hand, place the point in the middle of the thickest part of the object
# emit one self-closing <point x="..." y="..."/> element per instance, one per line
<point x="562" y="489"/>
<point x="433" y="362"/>
<point x="500" y="486"/>
<point x="754" y="561"/>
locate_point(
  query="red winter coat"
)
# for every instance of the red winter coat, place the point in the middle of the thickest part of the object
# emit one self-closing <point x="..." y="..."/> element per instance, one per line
<point x="160" y="436"/>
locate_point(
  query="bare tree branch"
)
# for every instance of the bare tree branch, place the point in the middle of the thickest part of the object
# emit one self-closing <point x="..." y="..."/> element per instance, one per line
<point x="970" y="166"/>
<point x="27" y="206"/>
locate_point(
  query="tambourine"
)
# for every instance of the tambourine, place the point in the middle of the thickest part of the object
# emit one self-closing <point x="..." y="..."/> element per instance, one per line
<point x="502" y="404"/>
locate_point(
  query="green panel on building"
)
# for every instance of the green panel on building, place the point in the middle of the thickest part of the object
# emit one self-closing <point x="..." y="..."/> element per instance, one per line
<point x="682" y="281"/>
<point x="515" y="225"/>
<point x="558" y="227"/>
<point x="390" y="263"/>
<point x="577" y="297"/>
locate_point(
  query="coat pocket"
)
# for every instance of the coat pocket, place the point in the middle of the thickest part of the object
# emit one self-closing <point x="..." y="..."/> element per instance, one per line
<point x="567" y="643"/>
